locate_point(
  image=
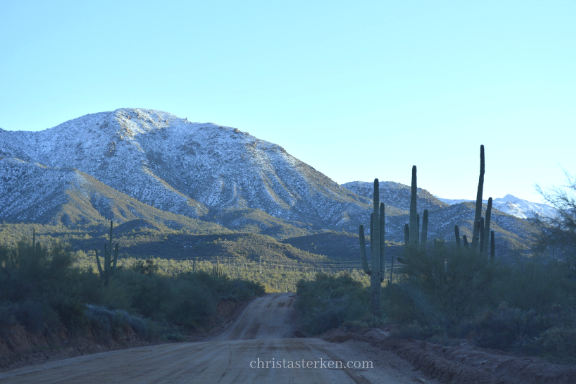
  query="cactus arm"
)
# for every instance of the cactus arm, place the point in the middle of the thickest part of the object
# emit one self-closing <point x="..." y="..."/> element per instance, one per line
<point x="363" y="251"/>
<point x="487" y="226"/>
<point x="413" y="239"/>
<point x="382" y="243"/>
<point x="33" y="239"/>
<point x="465" y="240"/>
<point x="424" y="235"/>
<point x="457" y="235"/>
<point x="478" y="213"/>
<point x="492" y="246"/>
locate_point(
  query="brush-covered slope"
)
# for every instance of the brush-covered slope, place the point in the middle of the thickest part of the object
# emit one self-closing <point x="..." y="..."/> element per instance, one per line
<point x="187" y="168"/>
<point x="30" y="192"/>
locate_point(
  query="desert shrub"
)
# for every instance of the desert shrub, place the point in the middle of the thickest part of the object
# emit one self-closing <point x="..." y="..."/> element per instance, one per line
<point x="537" y="284"/>
<point x="507" y="328"/>
<point x="100" y="317"/>
<point x="328" y="301"/>
<point x="457" y="292"/>
<point x="138" y="325"/>
<point x="109" y="321"/>
<point x="444" y="285"/>
<point x="557" y="343"/>
<point x="72" y="313"/>
<point x="30" y="315"/>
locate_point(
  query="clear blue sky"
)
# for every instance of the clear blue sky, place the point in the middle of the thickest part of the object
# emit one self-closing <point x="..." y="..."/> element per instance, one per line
<point x="357" y="89"/>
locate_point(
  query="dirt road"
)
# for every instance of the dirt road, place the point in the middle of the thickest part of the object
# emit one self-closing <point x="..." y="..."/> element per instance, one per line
<point x="252" y="350"/>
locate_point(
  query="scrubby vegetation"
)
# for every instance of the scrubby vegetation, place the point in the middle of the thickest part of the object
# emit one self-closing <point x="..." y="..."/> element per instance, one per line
<point x="445" y="292"/>
<point x="43" y="288"/>
<point x="451" y="293"/>
<point x="328" y="301"/>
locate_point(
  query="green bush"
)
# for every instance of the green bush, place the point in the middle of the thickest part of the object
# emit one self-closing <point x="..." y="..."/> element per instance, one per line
<point x="330" y="301"/>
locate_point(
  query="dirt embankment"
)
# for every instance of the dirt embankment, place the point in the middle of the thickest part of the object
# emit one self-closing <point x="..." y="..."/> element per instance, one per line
<point x="462" y="364"/>
<point x="255" y="348"/>
<point x="19" y="347"/>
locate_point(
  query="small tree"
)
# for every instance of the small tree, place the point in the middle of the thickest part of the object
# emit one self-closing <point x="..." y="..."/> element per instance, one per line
<point x="558" y="233"/>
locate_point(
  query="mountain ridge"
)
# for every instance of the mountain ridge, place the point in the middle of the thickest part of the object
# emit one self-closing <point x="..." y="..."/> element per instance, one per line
<point x="208" y="172"/>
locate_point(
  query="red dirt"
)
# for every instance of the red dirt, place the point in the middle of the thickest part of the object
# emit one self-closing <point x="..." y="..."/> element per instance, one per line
<point x="463" y="364"/>
<point x="19" y="348"/>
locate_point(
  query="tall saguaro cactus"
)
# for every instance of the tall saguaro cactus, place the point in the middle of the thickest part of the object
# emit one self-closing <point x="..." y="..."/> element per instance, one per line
<point x="413" y="234"/>
<point x="109" y="263"/>
<point x="478" y="213"/>
<point x="481" y="234"/>
<point x="377" y="253"/>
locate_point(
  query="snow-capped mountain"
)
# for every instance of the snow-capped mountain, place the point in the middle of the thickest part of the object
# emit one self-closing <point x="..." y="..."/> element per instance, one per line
<point x="191" y="169"/>
<point x="148" y="167"/>
<point x="512" y="205"/>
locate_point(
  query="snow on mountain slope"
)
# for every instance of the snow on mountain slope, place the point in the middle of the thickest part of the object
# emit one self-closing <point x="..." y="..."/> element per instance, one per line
<point x="188" y="168"/>
<point x="512" y="205"/>
<point x="396" y="195"/>
<point x="33" y="192"/>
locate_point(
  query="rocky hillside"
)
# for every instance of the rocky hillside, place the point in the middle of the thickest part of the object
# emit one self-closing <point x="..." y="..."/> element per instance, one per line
<point x="186" y="168"/>
<point x="154" y="170"/>
<point x="31" y="192"/>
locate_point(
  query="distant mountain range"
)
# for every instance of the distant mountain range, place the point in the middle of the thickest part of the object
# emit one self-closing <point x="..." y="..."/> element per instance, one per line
<point x="514" y="206"/>
<point x="147" y="168"/>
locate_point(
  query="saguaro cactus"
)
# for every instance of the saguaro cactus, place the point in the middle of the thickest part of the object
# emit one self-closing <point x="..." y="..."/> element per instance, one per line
<point x="492" y="246"/>
<point x="487" y="226"/>
<point x="377" y="253"/>
<point x="382" y="242"/>
<point x="478" y="213"/>
<point x="109" y="263"/>
<point x="424" y="235"/>
<point x="413" y="234"/>
<point x="217" y="270"/>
